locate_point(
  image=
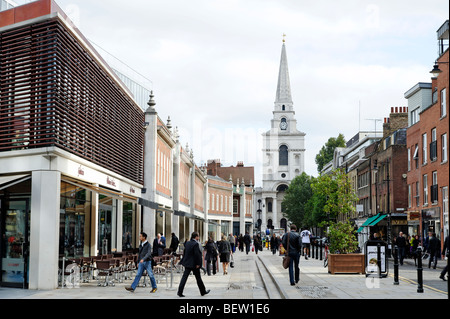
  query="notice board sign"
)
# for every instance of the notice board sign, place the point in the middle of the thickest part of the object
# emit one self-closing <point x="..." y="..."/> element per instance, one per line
<point x="372" y="262"/>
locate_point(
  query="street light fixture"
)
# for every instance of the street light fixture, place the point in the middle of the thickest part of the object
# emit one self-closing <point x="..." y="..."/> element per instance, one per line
<point x="436" y="71"/>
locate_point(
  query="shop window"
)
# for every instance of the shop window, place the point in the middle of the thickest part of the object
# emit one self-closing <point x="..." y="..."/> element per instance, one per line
<point x="75" y="212"/>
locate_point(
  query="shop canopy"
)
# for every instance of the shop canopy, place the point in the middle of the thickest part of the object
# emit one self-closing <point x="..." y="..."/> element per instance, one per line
<point x="369" y="222"/>
<point x="376" y="221"/>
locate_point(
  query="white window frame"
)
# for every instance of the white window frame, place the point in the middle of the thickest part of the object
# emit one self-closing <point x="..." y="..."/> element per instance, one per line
<point x="425" y="189"/>
<point x="424" y="149"/>
<point x="409" y="159"/>
<point x="444" y="148"/>
<point x="443" y="102"/>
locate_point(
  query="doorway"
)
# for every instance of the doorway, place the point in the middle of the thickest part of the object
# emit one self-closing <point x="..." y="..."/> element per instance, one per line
<point x="14" y="249"/>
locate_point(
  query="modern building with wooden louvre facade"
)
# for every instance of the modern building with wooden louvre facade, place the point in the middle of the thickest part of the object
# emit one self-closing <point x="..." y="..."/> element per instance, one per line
<point x="71" y="148"/>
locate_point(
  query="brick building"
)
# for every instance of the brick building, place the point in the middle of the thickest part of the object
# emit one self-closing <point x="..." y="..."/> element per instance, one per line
<point x="427" y="144"/>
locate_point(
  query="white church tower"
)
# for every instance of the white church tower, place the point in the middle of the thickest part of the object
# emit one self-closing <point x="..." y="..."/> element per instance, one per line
<point x="283" y="154"/>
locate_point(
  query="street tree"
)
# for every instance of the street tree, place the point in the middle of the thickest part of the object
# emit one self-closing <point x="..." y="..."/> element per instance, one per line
<point x="296" y="202"/>
<point x="338" y="192"/>
<point x="327" y="151"/>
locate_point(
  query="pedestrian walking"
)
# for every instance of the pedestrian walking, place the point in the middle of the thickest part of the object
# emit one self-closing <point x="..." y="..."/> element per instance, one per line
<point x="295" y="246"/>
<point x="174" y="244"/>
<point x="145" y="263"/>
<point x="401" y="245"/>
<point x="159" y="243"/>
<point x="306" y="241"/>
<point x="414" y="245"/>
<point x="192" y="262"/>
<point x="247" y="242"/>
<point x="433" y="249"/>
<point x="445" y="253"/>
<point x="241" y="242"/>
<point x="232" y="241"/>
<point x="211" y="256"/>
<point x="274" y="244"/>
<point x="257" y="243"/>
<point x="225" y="254"/>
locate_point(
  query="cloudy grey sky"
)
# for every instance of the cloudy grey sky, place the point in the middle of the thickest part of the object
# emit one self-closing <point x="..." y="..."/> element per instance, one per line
<point x="213" y="64"/>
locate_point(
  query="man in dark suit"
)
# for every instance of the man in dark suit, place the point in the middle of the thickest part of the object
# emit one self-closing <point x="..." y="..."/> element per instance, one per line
<point x="247" y="242"/>
<point x="434" y="249"/>
<point x="158" y="245"/>
<point x="144" y="263"/>
<point x="192" y="261"/>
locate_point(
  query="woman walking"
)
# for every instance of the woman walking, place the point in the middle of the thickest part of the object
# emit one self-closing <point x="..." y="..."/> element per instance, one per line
<point x="225" y="253"/>
<point x="211" y="256"/>
<point x="274" y="244"/>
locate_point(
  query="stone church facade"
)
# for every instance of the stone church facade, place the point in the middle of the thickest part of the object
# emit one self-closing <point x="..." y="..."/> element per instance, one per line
<point x="283" y="155"/>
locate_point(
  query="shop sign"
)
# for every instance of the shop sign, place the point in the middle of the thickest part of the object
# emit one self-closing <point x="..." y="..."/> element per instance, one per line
<point x="110" y="181"/>
<point x="371" y="250"/>
<point x="413" y="215"/>
<point x="399" y="222"/>
<point x="80" y="171"/>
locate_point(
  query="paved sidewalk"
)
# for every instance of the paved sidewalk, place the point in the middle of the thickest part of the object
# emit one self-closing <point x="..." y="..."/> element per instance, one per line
<point x="243" y="282"/>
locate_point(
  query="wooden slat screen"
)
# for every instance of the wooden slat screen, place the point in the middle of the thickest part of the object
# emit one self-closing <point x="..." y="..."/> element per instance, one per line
<point x="53" y="93"/>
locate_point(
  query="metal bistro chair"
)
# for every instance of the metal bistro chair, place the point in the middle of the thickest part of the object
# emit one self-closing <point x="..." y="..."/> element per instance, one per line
<point x="104" y="269"/>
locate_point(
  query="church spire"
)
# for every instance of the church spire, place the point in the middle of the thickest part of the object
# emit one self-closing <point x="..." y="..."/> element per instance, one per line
<point x="284" y="85"/>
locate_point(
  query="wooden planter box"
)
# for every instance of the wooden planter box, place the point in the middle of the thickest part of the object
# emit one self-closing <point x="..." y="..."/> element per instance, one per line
<point x="346" y="263"/>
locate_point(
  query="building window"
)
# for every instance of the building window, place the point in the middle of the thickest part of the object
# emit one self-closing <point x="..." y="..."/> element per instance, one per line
<point x="409" y="196"/>
<point x="434" y="188"/>
<point x="283" y="153"/>
<point x="443" y="103"/>
<point x="444" y="147"/>
<point x="409" y="159"/>
<point x="425" y="190"/>
<point x="417" y="194"/>
<point x="433" y="146"/>
<point x="235" y="206"/>
<point x="424" y="148"/>
<point x="415" y="117"/>
<point x="416" y="155"/>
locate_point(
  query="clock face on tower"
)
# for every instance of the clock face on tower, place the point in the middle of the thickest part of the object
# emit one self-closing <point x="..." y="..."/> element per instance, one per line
<point x="283" y="124"/>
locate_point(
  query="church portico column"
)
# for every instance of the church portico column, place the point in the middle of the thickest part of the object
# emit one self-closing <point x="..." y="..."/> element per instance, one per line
<point x="264" y="214"/>
<point x="275" y="213"/>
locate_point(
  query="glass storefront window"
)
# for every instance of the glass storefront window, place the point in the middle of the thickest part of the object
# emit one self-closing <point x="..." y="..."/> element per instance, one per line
<point x="128" y="222"/>
<point x="15" y="231"/>
<point x="107" y="212"/>
<point x="75" y="212"/>
<point x="16" y="224"/>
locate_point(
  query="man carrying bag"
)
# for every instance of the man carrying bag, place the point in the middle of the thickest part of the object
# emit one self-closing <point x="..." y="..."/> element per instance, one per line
<point x="292" y="242"/>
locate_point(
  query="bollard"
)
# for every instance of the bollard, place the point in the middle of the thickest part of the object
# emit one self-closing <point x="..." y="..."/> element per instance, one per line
<point x="312" y="249"/>
<point x="396" y="282"/>
<point x="321" y="250"/>
<point x="379" y="259"/>
<point x="419" y="271"/>
<point x="317" y="251"/>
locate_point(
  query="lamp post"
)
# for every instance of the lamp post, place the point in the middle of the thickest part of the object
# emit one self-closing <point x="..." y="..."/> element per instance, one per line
<point x="436" y="71"/>
<point x="259" y="211"/>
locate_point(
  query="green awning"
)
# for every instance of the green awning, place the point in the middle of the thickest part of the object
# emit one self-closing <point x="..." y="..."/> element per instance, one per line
<point x="373" y="223"/>
<point x="360" y="229"/>
<point x="370" y="220"/>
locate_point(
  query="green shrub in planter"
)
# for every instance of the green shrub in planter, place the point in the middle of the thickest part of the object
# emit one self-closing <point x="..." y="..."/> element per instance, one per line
<point x="342" y="238"/>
